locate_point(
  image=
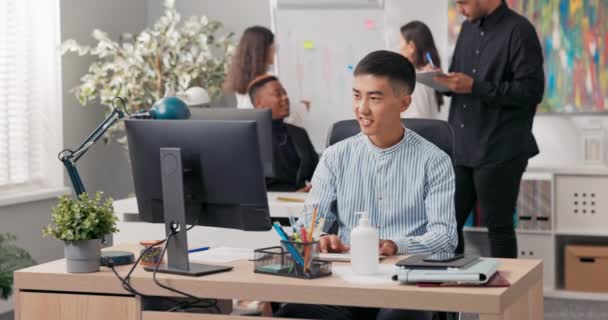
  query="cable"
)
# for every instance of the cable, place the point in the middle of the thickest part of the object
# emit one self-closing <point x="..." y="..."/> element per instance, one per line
<point x="125" y="282"/>
<point x="212" y="302"/>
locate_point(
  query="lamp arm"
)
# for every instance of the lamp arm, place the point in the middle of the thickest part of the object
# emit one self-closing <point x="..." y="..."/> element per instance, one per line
<point x="97" y="133"/>
<point x="69" y="157"/>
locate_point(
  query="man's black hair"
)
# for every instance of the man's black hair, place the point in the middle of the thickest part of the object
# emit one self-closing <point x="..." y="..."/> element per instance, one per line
<point x="257" y="84"/>
<point x="395" y="67"/>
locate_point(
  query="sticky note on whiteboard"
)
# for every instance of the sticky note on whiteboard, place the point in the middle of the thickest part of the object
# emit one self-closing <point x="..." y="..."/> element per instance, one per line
<point x="370" y="24"/>
<point x="309" y="44"/>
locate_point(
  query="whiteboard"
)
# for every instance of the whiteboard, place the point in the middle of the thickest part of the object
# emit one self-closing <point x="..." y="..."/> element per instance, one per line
<point x="317" y="51"/>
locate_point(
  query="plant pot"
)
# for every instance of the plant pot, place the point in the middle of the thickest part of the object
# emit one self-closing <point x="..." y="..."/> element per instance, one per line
<point x="82" y="256"/>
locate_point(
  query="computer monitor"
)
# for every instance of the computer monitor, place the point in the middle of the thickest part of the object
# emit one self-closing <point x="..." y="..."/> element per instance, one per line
<point x="197" y="172"/>
<point x="263" y="117"/>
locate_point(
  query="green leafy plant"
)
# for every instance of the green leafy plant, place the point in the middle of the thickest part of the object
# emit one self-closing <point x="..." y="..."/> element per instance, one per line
<point x="84" y="218"/>
<point x="182" y="55"/>
<point x="11" y="258"/>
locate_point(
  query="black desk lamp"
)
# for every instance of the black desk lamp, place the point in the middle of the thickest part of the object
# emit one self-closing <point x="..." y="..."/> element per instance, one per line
<point x="165" y="108"/>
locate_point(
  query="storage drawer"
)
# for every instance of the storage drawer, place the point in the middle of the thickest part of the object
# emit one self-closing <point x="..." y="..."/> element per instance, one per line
<point x="533" y="246"/>
<point x="64" y="306"/>
<point x="586" y="268"/>
<point x="582" y="204"/>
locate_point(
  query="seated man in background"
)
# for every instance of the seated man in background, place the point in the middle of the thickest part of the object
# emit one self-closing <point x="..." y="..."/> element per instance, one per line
<point x="404" y="182"/>
<point x="294" y="157"/>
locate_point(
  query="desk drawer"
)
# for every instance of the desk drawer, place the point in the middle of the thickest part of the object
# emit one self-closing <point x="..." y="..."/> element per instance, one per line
<point x="59" y="306"/>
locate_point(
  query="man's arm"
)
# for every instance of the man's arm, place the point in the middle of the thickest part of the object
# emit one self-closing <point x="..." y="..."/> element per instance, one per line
<point x="323" y="192"/>
<point x="440" y="233"/>
<point x="528" y="84"/>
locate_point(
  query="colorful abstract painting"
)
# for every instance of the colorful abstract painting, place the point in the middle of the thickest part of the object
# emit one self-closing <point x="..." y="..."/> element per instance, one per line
<point x="574" y="36"/>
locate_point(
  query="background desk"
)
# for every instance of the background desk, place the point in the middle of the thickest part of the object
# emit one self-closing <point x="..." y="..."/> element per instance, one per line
<point x="133" y="231"/>
<point x="46" y="291"/>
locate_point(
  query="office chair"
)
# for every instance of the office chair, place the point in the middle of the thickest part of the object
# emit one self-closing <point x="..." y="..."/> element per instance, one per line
<point x="438" y="132"/>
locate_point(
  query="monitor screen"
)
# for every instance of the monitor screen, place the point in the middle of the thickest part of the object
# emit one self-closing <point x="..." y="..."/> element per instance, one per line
<point x="223" y="179"/>
<point x="263" y="118"/>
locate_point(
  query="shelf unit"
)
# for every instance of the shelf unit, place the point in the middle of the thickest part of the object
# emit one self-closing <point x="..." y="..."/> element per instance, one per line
<point x="572" y="191"/>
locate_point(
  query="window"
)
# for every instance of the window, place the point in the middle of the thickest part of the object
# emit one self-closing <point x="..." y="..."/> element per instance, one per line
<point x="30" y="95"/>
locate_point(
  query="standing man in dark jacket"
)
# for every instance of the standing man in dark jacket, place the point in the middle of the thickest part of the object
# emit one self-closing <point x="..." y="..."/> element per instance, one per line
<point x="497" y="81"/>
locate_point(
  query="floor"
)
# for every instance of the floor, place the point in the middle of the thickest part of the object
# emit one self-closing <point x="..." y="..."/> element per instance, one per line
<point x="560" y="309"/>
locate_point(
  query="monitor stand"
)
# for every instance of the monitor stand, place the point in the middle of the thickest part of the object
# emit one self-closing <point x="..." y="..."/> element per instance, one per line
<point x="175" y="219"/>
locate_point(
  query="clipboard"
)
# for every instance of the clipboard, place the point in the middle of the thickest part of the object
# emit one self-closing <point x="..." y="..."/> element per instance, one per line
<point x="426" y="78"/>
<point x="478" y="273"/>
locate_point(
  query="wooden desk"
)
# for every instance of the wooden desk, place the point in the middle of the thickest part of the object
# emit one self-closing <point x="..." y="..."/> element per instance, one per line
<point x="47" y="291"/>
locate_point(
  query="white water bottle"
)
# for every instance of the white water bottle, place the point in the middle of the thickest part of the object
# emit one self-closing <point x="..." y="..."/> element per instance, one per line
<point x="364" y="246"/>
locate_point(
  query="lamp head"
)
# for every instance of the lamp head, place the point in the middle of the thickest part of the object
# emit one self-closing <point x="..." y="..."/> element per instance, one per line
<point x="170" y="108"/>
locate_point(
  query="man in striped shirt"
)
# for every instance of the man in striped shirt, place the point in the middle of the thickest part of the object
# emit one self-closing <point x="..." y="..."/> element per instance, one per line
<point x="404" y="182"/>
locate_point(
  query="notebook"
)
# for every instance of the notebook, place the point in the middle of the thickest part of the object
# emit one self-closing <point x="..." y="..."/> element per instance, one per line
<point x="417" y="261"/>
<point x="428" y="78"/>
<point x="497" y="280"/>
<point x="477" y="273"/>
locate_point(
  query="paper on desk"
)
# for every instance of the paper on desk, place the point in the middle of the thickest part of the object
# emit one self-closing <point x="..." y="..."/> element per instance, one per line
<point x="384" y="275"/>
<point x="427" y="79"/>
<point x="222" y="255"/>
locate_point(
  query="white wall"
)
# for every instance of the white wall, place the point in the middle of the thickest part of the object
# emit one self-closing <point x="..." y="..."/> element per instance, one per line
<point x="236" y="15"/>
<point x="560" y="139"/>
<point x="104" y="167"/>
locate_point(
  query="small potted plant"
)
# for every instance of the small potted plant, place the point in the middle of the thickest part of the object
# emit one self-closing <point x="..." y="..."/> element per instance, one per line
<point x="81" y="223"/>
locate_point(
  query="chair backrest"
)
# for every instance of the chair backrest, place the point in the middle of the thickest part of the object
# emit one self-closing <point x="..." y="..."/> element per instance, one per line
<point x="437" y="132"/>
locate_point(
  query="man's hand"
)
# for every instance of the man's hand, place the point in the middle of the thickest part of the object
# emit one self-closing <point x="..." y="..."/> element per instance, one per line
<point x="388" y="248"/>
<point x="306" y="188"/>
<point x="457" y="82"/>
<point x="331" y="243"/>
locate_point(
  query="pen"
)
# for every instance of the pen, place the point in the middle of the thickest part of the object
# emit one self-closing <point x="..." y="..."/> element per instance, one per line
<point x="290" y="248"/>
<point x="198" y="249"/>
<point x="428" y="58"/>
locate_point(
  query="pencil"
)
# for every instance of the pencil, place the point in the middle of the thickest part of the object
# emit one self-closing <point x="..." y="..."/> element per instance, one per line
<point x="310" y="238"/>
<point x="312" y="224"/>
<point x="290" y="199"/>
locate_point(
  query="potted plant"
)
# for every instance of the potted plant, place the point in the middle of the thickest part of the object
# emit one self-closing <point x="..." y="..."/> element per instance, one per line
<point x="81" y="223"/>
<point x="11" y="258"/>
<point x="193" y="53"/>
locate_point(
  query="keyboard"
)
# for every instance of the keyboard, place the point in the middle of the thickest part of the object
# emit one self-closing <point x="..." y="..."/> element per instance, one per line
<point x="338" y="257"/>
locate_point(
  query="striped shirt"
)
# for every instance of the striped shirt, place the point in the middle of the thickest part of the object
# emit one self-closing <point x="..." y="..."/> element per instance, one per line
<point x="407" y="189"/>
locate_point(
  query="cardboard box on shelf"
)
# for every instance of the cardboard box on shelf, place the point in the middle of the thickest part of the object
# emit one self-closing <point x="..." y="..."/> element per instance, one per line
<point x="586" y="268"/>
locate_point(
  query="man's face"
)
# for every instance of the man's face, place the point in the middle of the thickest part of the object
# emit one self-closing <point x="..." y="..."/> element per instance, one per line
<point x="377" y="104"/>
<point x="273" y="96"/>
<point x="471" y="9"/>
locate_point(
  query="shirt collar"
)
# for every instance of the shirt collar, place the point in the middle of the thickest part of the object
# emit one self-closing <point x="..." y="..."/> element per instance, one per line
<point x="493" y="18"/>
<point x="381" y="151"/>
<point x="278" y="124"/>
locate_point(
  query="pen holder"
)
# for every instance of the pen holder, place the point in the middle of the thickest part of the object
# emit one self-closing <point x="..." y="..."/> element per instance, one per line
<point x="281" y="261"/>
<point x="152" y="256"/>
